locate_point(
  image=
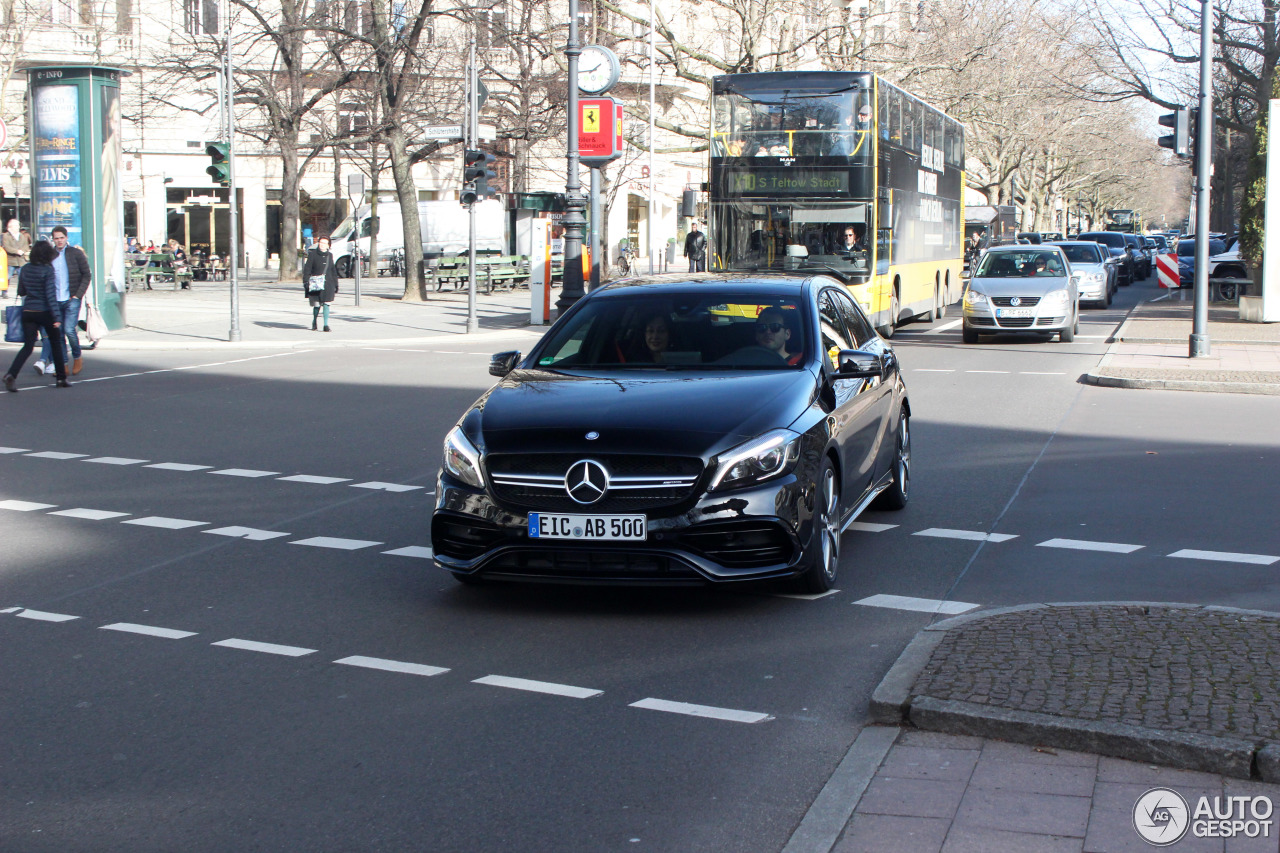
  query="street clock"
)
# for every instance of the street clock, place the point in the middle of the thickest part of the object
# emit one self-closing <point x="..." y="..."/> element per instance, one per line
<point x="598" y="69"/>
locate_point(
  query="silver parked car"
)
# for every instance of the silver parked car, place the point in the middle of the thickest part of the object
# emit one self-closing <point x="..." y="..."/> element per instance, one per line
<point x="1097" y="272"/>
<point x="1022" y="289"/>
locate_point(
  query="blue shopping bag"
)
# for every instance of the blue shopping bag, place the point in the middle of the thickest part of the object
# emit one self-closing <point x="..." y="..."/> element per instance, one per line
<point x="13" y="324"/>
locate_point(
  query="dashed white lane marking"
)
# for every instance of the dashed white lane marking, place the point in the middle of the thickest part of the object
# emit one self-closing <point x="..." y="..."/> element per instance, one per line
<point x="1085" y="545"/>
<point x="250" y="533"/>
<point x="312" y="478"/>
<point x="932" y="370"/>
<point x="707" y="711"/>
<point x="178" y="466"/>
<point x="803" y="596"/>
<point x="945" y="327"/>
<point x="148" y="630"/>
<point x="1226" y="557"/>
<point x="870" y="527"/>
<point x="193" y="366"/>
<point x="116" y="460"/>
<point x="91" y="514"/>
<point x="538" y="686"/>
<point x="386" y="487"/>
<point x="10" y="610"/>
<point x="41" y="616"/>
<point x="334" y="542"/>
<point x="245" y="472"/>
<point x="918" y="605"/>
<point x="166" y="523"/>
<point x="1041" y="373"/>
<point x="970" y="535"/>
<point x="988" y="371"/>
<point x="267" y="648"/>
<point x="392" y="665"/>
<point x="24" y="506"/>
<point x="56" y="454"/>
<point x="411" y="551"/>
<point x="14" y="450"/>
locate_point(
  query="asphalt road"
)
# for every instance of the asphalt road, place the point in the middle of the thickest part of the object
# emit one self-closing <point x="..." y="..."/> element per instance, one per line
<point x="264" y="663"/>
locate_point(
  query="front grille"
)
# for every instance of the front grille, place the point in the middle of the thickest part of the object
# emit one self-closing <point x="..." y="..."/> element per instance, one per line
<point x="981" y="321"/>
<point x="463" y="538"/>
<point x="741" y="544"/>
<point x="1023" y="301"/>
<point x="1049" y="321"/>
<point x="1016" y="322"/>
<point x="591" y="564"/>
<point x="636" y="482"/>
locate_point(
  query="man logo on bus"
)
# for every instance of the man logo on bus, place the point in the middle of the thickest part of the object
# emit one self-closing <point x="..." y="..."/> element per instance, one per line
<point x="1161" y="817"/>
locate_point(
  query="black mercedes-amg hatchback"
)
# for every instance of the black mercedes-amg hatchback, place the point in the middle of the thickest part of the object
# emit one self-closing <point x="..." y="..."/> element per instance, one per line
<point x="721" y="428"/>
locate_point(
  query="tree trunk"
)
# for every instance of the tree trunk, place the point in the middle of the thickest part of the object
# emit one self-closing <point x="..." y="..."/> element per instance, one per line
<point x="289" y="208"/>
<point x="415" y="285"/>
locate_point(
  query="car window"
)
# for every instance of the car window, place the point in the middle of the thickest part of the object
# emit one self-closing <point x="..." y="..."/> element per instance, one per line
<point x="1021" y="264"/>
<point x="854" y="320"/>
<point x="1082" y="254"/>
<point x="1105" y="238"/>
<point x="835" y="336"/>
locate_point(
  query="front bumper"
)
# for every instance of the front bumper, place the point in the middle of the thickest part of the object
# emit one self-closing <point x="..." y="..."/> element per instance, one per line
<point x="748" y="534"/>
<point x="982" y="317"/>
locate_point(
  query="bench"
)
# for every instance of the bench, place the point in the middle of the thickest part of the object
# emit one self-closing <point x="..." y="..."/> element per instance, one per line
<point x="508" y="271"/>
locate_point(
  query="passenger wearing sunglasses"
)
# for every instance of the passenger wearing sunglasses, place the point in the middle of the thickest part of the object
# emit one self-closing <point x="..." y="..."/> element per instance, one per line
<point x="772" y="334"/>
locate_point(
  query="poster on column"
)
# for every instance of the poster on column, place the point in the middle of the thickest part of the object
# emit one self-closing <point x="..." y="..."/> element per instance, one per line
<point x="56" y="144"/>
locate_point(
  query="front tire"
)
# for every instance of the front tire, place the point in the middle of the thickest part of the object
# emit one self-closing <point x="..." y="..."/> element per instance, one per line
<point x="824" y="564"/>
<point x="1068" y="334"/>
<point x="886" y="331"/>
<point x="896" y="496"/>
<point x="343" y="266"/>
<point x="968" y="335"/>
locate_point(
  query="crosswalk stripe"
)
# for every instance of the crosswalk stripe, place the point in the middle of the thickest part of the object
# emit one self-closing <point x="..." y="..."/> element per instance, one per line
<point x="335" y="542"/>
<point x="919" y="605"/>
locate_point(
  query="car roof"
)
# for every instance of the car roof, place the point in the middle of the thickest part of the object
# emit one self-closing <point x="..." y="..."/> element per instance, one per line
<point x="1022" y="247"/>
<point x="763" y="282"/>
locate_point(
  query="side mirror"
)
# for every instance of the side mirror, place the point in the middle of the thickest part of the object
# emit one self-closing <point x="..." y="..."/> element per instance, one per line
<point x="503" y="363"/>
<point x="856" y="364"/>
<point x="1075" y="281"/>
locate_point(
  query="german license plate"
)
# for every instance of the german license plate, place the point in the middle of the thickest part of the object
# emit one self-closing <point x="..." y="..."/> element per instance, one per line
<point x="548" y="525"/>
<point x="1013" y="313"/>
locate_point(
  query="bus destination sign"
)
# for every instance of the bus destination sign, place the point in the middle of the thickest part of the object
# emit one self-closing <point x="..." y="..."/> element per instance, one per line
<point x="789" y="181"/>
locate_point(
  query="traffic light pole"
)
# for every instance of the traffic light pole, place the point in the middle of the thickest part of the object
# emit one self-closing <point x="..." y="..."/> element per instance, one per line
<point x="234" y="334"/>
<point x="1199" y="340"/>
<point x="473" y="137"/>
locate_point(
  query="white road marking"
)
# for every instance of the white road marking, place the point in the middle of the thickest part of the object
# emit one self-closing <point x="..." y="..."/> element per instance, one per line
<point x="707" y="711"/>
<point x="411" y="551"/>
<point x="193" y="366"/>
<point x="1085" y="545"/>
<point x="250" y="533"/>
<point x="41" y="616"/>
<point x="10" y="610"/>
<point x="945" y="327"/>
<point x="245" y="472"/>
<point x="91" y="514"/>
<point x="334" y="542"/>
<point x="1225" y="557"/>
<point x="392" y="665"/>
<point x="55" y="454"/>
<point x="268" y="648"/>
<point x="869" y="527"/>
<point x="311" y="478"/>
<point x="14" y="450"/>
<point x="178" y="466"/>
<point x="166" y="523"/>
<point x="148" y="630"/>
<point x="932" y="370"/>
<point x="538" y="686"/>
<point x="805" y="596"/>
<point x="988" y="371"/>
<point x="386" y="487"/>
<point x="918" y="605"/>
<point x="24" y="506"/>
<point x="116" y="460"/>
<point x="1040" y="373"/>
<point x="970" y="535"/>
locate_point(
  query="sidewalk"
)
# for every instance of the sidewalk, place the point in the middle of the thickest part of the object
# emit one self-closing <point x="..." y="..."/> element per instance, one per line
<point x="1041" y="727"/>
<point x="274" y="314"/>
<point x="1151" y="351"/>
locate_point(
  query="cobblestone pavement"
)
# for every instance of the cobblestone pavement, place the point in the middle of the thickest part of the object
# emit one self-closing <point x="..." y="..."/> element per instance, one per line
<point x="1194" y="670"/>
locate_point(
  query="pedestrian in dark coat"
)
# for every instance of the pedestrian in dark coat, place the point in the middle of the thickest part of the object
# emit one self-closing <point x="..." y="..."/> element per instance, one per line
<point x="39" y="288"/>
<point x="320" y="266"/>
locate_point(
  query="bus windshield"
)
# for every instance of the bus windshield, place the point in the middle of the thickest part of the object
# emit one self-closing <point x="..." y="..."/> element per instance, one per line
<point x="788" y="123"/>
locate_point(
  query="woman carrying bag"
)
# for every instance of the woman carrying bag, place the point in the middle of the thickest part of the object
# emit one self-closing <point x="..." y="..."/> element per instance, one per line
<point x="320" y="280"/>
<point x="39" y="289"/>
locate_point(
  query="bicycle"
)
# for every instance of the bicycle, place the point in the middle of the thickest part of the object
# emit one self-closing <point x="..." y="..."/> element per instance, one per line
<point x="626" y="259"/>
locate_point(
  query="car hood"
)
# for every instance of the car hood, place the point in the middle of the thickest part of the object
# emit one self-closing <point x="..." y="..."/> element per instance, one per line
<point x="1079" y="268"/>
<point x="1019" y="286"/>
<point x="679" y="413"/>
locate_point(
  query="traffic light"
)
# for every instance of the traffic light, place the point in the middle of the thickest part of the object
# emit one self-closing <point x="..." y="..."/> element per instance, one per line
<point x="220" y="154"/>
<point x="476" y="175"/>
<point x="1180" y="140"/>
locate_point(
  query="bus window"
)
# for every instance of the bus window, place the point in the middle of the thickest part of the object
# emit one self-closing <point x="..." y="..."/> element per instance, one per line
<point x="910" y="124"/>
<point x="895" y="117"/>
<point x="882" y="103"/>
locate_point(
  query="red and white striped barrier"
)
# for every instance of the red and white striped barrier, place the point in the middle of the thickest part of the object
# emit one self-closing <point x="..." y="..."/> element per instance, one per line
<point x="1167" y="268"/>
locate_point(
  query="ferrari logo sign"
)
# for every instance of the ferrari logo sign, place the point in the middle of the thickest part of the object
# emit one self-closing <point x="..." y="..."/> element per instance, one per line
<point x="591" y="119"/>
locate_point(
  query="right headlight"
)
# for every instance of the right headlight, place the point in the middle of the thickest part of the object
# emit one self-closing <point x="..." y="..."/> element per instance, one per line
<point x="461" y="459"/>
<point x="771" y="455"/>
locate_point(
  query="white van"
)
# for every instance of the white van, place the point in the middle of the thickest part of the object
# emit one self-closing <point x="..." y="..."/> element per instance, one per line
<point x="443" y="224"/>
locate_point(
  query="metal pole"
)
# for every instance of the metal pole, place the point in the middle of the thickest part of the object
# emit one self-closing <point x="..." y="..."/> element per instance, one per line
<point x="595" y="227"/>
<point x="653" y="176"/>
<point x="472" y="135"/>
<point x="1199" y="341"/>
<point x="234" y="334"/>
<point x="358" y="266"/>
<point x="571" y="287"/>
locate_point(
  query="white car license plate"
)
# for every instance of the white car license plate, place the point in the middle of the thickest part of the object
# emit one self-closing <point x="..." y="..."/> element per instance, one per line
<point x="1011" y="313"/>
<point x="548" y="525"/>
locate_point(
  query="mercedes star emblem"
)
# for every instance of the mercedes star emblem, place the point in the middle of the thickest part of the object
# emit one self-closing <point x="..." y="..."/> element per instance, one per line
<point x="593" y="435"/>
<point x="1015" y="301"/>
<point x="586" y="481"/>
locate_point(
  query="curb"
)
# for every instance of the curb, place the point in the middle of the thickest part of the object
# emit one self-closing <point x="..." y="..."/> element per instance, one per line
<point x="1104" y="380"/>
<point x="893" y="703"/>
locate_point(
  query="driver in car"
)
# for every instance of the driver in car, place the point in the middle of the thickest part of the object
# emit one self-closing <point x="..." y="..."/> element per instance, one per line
<point x="773" y="334"/>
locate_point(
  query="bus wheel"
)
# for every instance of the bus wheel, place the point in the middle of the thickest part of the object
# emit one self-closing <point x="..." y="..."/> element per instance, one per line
<point x="886" y="331"/>
<point x="939" y="303"/>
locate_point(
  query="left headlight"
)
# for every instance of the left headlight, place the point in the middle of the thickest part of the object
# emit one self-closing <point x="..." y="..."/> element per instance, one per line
<point x="973" y="297"/>
<point x="771" y="455"/>
<point x="461" y="459"/>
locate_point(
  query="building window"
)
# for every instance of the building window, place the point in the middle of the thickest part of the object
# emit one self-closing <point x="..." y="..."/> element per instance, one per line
<point x="353" y="121"/>
<point x="491" y="25"/>
<point x="200" y="17"/>
<point x="358" y="18"/>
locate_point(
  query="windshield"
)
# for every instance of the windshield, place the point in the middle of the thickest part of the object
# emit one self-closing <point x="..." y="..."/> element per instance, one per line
<point x="716" y="330"/>
<point x="1020" y="265"/>
<point x="1082" y="254"/>
<point x="814" y="235"/>
<point x="789" y="123"/>
<point x="343" y="231"/>
<point x="1111" y="238"/>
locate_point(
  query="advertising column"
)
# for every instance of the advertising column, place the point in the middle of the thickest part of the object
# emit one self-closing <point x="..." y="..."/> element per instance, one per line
<point x="75" y="180"/>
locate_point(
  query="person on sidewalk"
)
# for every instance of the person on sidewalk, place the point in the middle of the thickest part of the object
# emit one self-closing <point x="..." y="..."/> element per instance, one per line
<point x="695" y="249"/>
<point x="39" y="287"/>
<point x="320" y="280"/>
<point x="71" y="267"/>
<point x="17" y="245"/>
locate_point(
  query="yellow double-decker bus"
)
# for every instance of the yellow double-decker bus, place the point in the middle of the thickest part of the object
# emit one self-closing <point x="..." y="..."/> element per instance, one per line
<point x="840" y="172"/>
